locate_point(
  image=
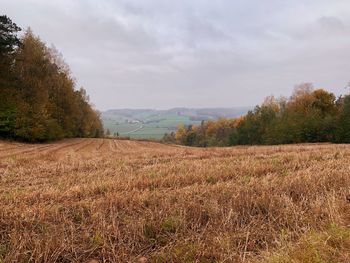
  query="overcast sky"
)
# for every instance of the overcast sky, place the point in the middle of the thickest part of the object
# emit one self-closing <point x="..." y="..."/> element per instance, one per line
<point x="193" y="53"/>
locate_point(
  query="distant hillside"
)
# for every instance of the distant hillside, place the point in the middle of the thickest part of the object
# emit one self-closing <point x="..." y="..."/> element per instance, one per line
<point x="151" y="123"/>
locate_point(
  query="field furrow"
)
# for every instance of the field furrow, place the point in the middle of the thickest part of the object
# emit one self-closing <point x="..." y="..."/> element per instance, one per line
<point x="129" y="201"/>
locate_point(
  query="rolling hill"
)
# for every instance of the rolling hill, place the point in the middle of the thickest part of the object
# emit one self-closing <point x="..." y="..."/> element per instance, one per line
<point x="153" y="124"/>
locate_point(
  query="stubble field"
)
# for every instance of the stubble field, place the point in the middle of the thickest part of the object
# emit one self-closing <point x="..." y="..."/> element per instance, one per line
<point x="105" y="200"/>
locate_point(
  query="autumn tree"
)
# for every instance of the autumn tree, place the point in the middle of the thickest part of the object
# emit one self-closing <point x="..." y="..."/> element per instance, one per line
<point x="180" y="133"/>
<point x="309" y="115"/>
<point x="39" y="100"/>
<point x="342" y="130"/>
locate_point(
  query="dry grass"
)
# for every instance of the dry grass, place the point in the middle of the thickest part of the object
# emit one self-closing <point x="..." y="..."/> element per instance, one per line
<point x="110" y="200"/>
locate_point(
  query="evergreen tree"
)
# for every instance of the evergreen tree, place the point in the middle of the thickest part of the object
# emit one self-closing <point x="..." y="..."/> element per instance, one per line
<point x="9" y="42"/>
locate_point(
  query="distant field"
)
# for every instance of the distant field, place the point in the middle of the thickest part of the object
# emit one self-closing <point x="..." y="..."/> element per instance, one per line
<point x="104" y="200"/>
<point x="149" y="130"/>
<point x="155" y="123"/>
<point x="120" y="128"/>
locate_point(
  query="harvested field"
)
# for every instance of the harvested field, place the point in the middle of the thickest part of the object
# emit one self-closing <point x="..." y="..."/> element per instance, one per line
<point x="104" y="200"/>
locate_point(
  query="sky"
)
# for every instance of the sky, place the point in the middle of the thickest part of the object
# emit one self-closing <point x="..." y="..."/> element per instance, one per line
<point x="193" y="53"/>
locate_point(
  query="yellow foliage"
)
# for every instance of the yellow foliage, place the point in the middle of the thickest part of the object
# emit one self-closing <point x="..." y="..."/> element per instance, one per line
<point x="180" y="132"/>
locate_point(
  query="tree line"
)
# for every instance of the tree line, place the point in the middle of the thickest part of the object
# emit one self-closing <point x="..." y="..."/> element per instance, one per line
<point x="39" y="100"/>
<point x="307" y="116"/>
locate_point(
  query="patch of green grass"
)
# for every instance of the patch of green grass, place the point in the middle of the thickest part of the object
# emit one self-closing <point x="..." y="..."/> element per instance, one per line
<point x="329" y="246"/>
<point x="212" y="180"/>
<point x="97" y="240"/>
<point x="150" y="231"/>
<point x="171" y="224"/>
<point x="154" y="236"/>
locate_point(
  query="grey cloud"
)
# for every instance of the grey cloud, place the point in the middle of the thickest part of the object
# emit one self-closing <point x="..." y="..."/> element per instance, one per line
<point x="160" y="54"/>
